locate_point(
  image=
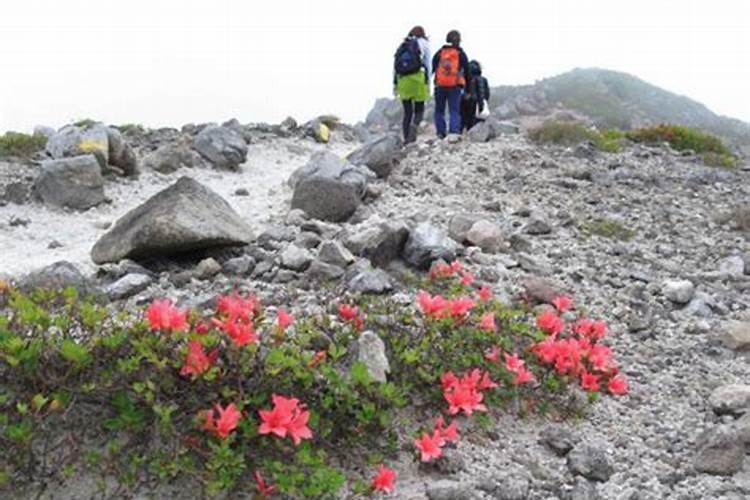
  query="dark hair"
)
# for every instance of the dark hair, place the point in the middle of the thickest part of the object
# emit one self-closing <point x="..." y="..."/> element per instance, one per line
<point x="418" y="32"/>
<point x="453" y="38"/>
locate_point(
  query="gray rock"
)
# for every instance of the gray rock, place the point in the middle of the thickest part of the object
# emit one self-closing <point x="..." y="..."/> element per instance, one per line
<point x="732" y="399"/>
<point x="558" y="439"/>
<point x="541" y="291"/>
<point x="737" y="335"/>
<point x="241" y="192"/>
<point x="207" y="268"/>
<point x="426" y="244"/>
<point x="445" y="489"/>
<point x="184" y="217"/>
<point x="222" y="146"/>
<point x="273" y="235"/>
<point x="374" y="281"/>
<point x="537" y="226"/>
<point x="121" y="155"/>
<point x="742" y="426"/>
<point x="296" y="258"/>
<point x="583" y="489"/>
<point x="308" y="240"/>
<point x="379" y="155"/>
<point x="591" y="462"/>
<point x="719" y="451"/>
<point x="507" y="486"/>
<point x="678" y="291"/>
<point x="56" y="277"/>
<point x="328" y="188"/>
<point x="486" y="235"/>
<point x="732" y="266"/>
<point x="75" y="183"/>
<point x="238" y="266"/>
<point x="534" y="264"/>
<point x="506" y="128"/>
<point x="54" y="244"/>
<point x="17" y="192"/>
<point x="482" y="132"/>
<point x="323" y="271"/>
<point x="460" y="224"/>
<point x="71" y="141"/>
<point x="127" y="286"/>
<point x="333" y="252"/>
<point x="171" y="157"/>
<point x="381" y="242"/>
<point x="371" y="352"/>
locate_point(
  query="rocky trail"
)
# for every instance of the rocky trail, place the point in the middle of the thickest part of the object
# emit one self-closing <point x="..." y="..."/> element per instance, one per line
<point x="648" y="239"/>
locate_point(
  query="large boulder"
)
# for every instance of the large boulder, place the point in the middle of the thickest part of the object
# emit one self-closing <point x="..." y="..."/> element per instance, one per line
<point x="222" y="146"/>
<point x="720" y="451"/>
<point x="379" y="155"/>
<point x="385" y="114"/>
<point x="75" y="183"/>
<point x="428" y="243"/>
<point x="184" y="217"/>
<point x="328" y="188"/>
<point x="171" y="157"/>
<point x="106" y="143"/>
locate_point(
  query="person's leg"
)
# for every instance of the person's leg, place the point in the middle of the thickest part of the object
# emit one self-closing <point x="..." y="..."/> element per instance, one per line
<point x="418" y="115"/>
<point x="440" y="101"/>
<point x="465" y="110"/>
<point x="408" y="116"/>
<point x="471" y="114"/>
<point x="454" y="107"/>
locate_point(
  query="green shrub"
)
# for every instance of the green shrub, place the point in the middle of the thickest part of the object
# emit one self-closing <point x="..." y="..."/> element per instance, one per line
<point x="681" y="138"/>
<point x="86" y="123"/>
<point x="712" y="159"/>
<point x="21" y="145"/>
<point x="572" y="133"/>
<point x="608" y="228"/>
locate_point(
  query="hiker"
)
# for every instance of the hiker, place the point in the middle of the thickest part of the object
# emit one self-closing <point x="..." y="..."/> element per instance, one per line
<point x="411" y="79"/>
<point x="451" y="68"/>
<point x="476" y="97"/>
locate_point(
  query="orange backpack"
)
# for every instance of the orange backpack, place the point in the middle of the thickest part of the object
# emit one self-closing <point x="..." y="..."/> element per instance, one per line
<point x="447" y="73"/>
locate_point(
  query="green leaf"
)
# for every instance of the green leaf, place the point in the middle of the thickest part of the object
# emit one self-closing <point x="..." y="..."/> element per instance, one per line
<point x="360" y="375"/>
<point x="75" y="353"/>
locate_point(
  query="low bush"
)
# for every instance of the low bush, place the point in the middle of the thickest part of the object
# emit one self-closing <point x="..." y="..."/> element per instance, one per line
<point x="608" y="228"/>
<point x="246" y="399"/>
<point x="572" y="133"/>
<point x="713" y="150"/>
<point x="21" y="145"/>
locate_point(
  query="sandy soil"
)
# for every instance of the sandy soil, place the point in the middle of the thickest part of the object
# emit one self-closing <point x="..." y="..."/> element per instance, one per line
<point x="269" y="164"/>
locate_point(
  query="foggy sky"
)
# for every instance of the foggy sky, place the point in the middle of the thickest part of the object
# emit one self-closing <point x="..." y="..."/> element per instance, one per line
<point x="170" y="62"/>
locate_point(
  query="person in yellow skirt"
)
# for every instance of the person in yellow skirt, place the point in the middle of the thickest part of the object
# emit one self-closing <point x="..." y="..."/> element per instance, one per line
<point x="411" y="78"/>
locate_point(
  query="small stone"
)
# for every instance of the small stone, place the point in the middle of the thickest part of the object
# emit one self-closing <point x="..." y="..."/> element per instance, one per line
<point x="591" y="462"/>
<point x="537" y="226"/>
<point x="127" y="286"/>
<point x="732" y="266"/>
<point x="207" y="268"/>
<point x="375" y="281"/>
<point x="54" y="244"/>
<point x="19" y="221"/>
<point x="445" y="489"/>
<point x="731" y="399"/>
<point x="558" y="439"/>
<point x="736" y="335"/>
<point x="720" y="451"/>
<point x="511" y="486"/>
<point x="486" y="235"/>
<point x="541" y="291"/>
<point x="583" y="489"/>
<point x="238" y="266"/>
<point x="324" y="271"/>
<point x="678" y="291"/>
<point x="296" y="258"/>
<point x="534" y="265"/>
<point x="371" y="352"/>
<point x="241" y="192"/>
<point x="742" y="426"/>
<point x="307" y="240"/>
<point x="333" y="252"/>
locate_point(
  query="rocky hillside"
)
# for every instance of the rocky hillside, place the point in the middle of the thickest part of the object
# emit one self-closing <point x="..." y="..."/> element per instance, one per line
<point x="607" y="99"/>
<point x="648" y="239"/>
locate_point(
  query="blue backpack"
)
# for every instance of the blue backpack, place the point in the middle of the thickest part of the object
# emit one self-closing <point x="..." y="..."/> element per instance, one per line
<point x="408" y="58"/>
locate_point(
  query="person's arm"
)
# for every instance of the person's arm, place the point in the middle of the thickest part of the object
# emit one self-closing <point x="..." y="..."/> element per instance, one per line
<point x="463" y="65"/>
<point x="435" y="61"/>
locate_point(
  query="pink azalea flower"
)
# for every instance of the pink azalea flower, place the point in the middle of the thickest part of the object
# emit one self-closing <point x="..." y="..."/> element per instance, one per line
<point x="384" y="480"/>
<point x="487" y="322"/>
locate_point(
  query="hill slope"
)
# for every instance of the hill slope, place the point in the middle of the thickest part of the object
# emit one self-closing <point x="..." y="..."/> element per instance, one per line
<point x="613" y="99"/>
